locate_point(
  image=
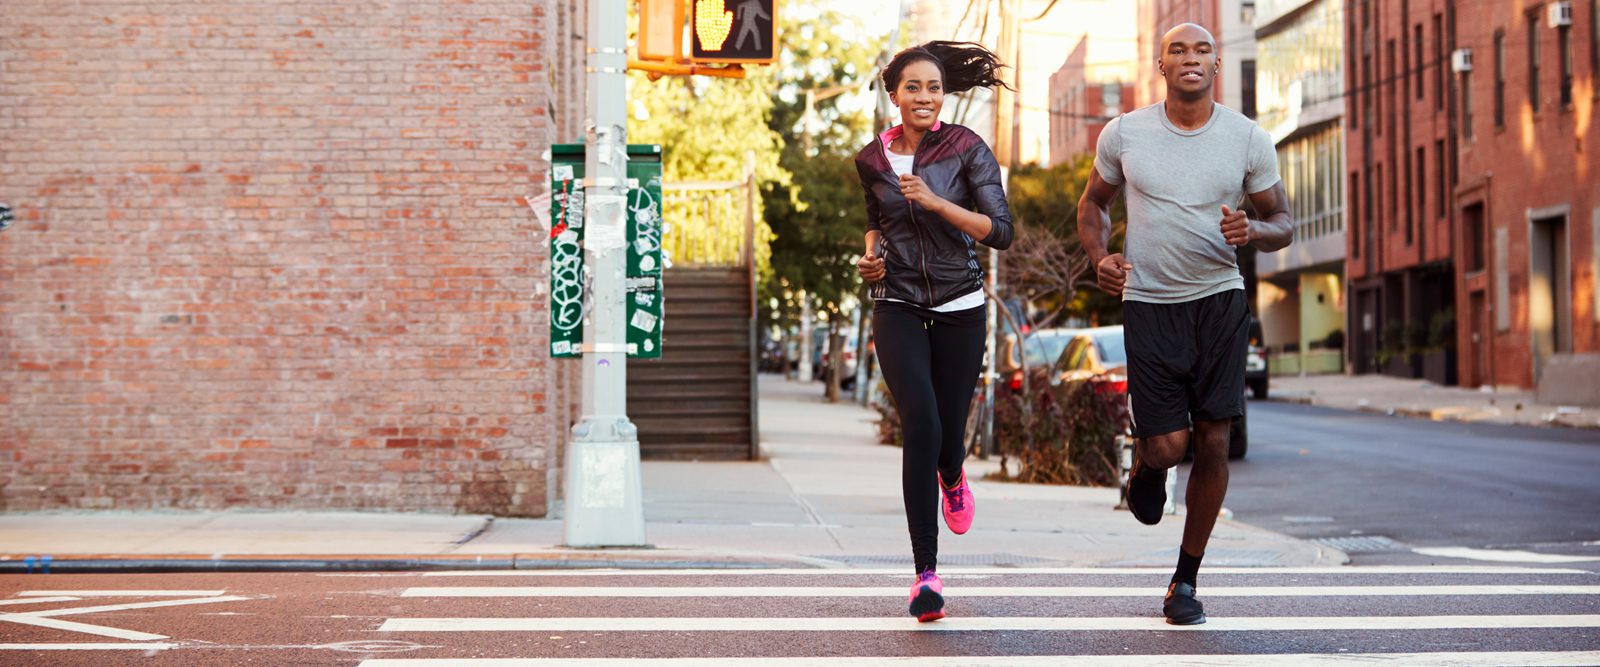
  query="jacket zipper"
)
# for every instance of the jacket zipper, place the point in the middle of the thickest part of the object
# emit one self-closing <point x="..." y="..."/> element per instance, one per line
<point x="912" y="212"/>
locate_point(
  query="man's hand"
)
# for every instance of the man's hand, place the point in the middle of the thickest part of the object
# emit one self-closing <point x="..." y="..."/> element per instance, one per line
<point x="1235" y="227"/>
<point x="871" y="266"/>
<point x="915" y="190"/>
<point x="1113" y="273"/>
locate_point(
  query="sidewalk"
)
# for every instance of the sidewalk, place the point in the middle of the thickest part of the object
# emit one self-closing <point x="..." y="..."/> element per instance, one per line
<point x="1423" y="399"/>
<point x="827" y="496"/>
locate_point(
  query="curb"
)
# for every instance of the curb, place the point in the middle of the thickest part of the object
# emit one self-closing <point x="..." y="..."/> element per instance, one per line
<point x="1454" y="414"/>
<point x="13" y="564"/>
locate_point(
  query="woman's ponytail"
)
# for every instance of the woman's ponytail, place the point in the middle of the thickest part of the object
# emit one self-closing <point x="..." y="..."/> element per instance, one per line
<point x="963" y="65"/>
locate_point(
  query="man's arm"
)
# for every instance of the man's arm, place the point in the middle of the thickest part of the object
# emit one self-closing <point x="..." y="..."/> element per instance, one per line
<point x="1094" y="233"/>
<point x="1275" y="230"/>
<point x="1094" y="216"/>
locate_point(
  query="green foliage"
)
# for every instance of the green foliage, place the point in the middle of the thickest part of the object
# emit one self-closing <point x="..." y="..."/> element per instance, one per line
<point x="709" y="130"/>
<point x="818" y="217"/>
<point x="1044" y="206"/>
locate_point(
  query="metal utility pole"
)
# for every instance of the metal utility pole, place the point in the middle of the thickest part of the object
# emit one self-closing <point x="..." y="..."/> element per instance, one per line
<point x="604" y="496"/>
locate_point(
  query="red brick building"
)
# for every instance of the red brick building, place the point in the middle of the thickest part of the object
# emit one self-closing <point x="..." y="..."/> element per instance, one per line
<point x="1472" y="187"/>
<point x="276" y="254"/>
<point x="1529" y="192"/>
<point x="1081" y="107"/>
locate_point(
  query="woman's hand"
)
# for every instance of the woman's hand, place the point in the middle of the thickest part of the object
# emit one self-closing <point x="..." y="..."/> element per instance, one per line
<point x="871" y="267"/>
<point x="915" y="190"/>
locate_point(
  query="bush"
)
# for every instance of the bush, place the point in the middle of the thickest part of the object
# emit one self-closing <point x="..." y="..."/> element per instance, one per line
<point x="1072" y="435"/>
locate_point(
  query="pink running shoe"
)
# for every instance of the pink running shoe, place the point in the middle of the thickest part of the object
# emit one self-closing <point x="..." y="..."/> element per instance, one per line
<point x="958" y="506"/>
<point x="927" y="597"/>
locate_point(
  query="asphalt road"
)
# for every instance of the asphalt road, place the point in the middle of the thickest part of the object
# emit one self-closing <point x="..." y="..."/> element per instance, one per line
<point x="838" y="619"/>
<point x="1398" y="484"/>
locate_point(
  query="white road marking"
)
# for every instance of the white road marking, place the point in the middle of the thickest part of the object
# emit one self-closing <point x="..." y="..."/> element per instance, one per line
<point x="130" y="594"/>
<point x="958" y="571"/>
<point x="976" y="592"/>
<point x="62" y="598"/>
<point x="45" y="618"/>
<point x="89" y="646"/>
<point x="1026" y="623"/>
<point x="131" y="605"/>
<point x="85" y="628"/>
<point x="1487" y="659"/>
<point x="1502" y="555"/>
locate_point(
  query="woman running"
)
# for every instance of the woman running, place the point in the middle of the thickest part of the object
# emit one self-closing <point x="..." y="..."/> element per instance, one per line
<point x="931" y="188"/>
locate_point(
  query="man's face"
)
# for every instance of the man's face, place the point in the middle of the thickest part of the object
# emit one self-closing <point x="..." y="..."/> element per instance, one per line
<point x="1189" y="61"/>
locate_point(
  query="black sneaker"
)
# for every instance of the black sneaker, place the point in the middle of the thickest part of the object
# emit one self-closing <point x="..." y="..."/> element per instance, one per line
<point x="1147" y="492"/>
<point x="1180" y="607"/>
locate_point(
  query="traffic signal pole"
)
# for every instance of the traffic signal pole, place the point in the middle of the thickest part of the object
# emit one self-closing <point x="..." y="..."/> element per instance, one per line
<point x="604" y="495"/>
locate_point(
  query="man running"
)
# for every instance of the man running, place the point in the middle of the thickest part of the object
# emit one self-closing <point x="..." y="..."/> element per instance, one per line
<point x="1185" y="164"/>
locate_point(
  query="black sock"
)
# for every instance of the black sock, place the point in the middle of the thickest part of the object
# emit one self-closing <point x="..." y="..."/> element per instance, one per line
<point x="1188" y="568"/>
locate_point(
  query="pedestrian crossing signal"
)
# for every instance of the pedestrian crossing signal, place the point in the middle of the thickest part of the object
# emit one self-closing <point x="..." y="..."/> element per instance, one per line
<point x="734" y="31"/>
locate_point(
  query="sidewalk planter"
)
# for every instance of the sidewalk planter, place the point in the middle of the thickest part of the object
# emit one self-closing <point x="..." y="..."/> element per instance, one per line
<point x="1407" y="366"/>
<point x="1439" y="367"/>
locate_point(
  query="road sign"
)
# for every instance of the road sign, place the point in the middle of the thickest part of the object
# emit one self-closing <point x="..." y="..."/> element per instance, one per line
<point x="645" y="261"/>
<point x="734" y="31"/>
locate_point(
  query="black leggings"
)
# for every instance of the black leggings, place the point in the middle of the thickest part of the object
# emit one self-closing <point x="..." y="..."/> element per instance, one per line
<point x="930" y="361"/>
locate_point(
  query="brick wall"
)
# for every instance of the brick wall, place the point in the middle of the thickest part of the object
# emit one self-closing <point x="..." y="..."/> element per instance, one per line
<point x="274" y="254"/>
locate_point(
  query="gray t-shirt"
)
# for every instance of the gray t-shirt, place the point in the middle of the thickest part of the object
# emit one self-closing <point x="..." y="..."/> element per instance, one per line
<point x="1176" y="183"/>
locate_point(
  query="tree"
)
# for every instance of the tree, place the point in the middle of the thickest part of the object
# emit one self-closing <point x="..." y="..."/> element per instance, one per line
<point x="818" y="217"/>
<point x="708" y="129"/>
<point x="1047" y="266"/>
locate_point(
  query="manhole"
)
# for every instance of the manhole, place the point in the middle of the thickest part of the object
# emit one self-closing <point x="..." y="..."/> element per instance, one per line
<point x="1361" y="544"/>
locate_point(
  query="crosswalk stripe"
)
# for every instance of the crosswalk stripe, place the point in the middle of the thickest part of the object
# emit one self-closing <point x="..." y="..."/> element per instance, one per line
<point x="1487" y="659"/>
<point x="90" y="646"/>
<point x="978" y="592"/>
<point x="1041" y="623"/>
<point x="129" y="593"/>
<point x="958" y="571"/>
<point x="62" y="598"/>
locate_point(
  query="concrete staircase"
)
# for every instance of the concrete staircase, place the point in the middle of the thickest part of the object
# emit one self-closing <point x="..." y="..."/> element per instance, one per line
<point x="698" y="401"/>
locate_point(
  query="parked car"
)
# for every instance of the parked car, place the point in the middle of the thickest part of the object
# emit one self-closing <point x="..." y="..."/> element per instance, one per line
<point x="1099" y="356"/>
<point x="1039" y="348"/>
<point x="1255" y="363"/>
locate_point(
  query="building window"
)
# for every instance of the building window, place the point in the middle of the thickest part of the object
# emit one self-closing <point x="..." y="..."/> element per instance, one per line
<point x="1466" y="105"/>
<point x="1355" y="205"/>
<point x="1422" y="185"/>
<point x="1247" y="11"/>
<point x="1110" y="97"/>
<point x="1407" y="198"/>
<point x="1533" y="60"/>
<point x="1247" y="88"/>
<point x="1416" y="49"/>
<point x="1393" y="99"/>
<point x="1499" y="79"/>
<point x="1440" y="63"/>
<point x="1439" y="173"/>
<point x="1564" y="43"/>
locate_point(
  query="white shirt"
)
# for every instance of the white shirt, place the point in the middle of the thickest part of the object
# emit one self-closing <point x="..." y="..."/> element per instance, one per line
<point x="901" y="164"/>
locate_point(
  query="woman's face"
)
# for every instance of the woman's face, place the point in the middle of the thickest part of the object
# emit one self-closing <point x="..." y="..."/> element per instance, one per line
<point x="920" y="95"/>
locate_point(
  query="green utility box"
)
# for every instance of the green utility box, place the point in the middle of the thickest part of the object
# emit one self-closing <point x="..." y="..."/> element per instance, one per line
<point x="644" y="251"/>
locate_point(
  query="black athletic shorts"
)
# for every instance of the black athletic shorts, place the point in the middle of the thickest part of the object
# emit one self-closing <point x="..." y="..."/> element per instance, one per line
<point x="1186" y="360"/>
